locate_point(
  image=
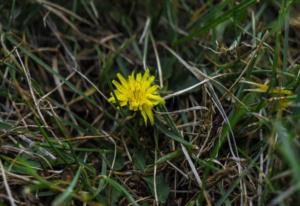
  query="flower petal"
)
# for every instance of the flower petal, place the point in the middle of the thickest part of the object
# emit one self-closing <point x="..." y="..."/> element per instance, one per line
<point x="122" y="79"/>
<point x="119" y="87"/>
<point x="139" y="77"/>
<point x="112" y="99"/>
<point x="149" y="113"/>
<point x="144" y="117"/>
<point x="146" y="75"/>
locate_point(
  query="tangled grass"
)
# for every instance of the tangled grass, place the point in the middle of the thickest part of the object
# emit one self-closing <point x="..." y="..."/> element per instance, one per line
<point x="228" y="133"/>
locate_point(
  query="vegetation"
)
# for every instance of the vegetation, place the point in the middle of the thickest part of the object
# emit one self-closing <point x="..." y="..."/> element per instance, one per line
<point x="226" y="134"/>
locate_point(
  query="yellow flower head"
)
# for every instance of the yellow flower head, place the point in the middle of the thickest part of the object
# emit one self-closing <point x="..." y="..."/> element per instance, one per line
<point x="138" y="93"/>
<point x="283" y="96"/>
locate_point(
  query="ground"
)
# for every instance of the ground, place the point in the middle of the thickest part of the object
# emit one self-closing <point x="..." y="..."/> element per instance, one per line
<point x="224" y="132"/>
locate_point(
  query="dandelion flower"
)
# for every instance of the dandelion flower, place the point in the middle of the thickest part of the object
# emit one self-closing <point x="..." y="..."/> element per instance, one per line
<point x="138" y="93"/>
<point x="282" y="95"/>
<point x="264" y="88"/>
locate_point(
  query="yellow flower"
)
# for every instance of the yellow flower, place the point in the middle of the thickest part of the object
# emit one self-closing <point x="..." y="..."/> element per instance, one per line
<point x="138" y="93"/>
<point x="283" y="96"/>
<point x="264" y="88"/>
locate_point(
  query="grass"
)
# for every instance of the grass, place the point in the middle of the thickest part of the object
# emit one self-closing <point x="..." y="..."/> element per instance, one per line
<point x="228" y="133"/>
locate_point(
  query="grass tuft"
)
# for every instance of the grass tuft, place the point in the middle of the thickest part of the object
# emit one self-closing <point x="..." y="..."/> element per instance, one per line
<point x="228" y="133"/>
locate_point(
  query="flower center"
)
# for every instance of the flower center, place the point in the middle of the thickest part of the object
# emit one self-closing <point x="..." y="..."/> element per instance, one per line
<point x="137" y="96"/>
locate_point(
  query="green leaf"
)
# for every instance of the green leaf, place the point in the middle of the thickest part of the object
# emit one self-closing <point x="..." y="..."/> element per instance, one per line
<point x="138" y="159"/>
<point x="174" y="136"/>
<point x="60" y="200"/>
<point x="287" y="149"/>
<point x="241" y="7"/>
<point x="4" y="125"/>
<point x="120" y="188"/>
<point x="162" y="187"/>
<point x="168" y="157"/>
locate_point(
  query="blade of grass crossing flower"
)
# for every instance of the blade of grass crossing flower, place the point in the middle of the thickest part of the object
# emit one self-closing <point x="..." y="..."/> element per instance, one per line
<point x="132" y="131"/>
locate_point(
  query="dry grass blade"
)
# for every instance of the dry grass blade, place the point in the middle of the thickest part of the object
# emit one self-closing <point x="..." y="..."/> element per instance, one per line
<point x="157" y="61"/>
<point x="226" y="131"/>
<point x="183" y="91"/>
<point x="54" y="6"/>
<point x="8" y="191"/>
<point x="232" y="143"/>
<point x="191" y="164"/>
